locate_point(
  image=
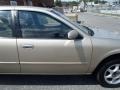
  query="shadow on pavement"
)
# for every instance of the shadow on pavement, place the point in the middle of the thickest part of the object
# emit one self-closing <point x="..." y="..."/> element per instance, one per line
<point x="47" y="80"/>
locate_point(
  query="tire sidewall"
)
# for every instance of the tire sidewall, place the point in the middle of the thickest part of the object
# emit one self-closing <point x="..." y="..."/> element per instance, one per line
<point x="101" y="72"/>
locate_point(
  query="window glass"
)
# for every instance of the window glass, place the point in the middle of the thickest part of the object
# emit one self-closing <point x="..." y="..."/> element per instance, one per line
<point x="5" y="24"/>
<point x="39" y="25"/>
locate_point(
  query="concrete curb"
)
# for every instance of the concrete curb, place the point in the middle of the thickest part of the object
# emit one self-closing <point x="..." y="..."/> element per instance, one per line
<point x="101" y="14"/>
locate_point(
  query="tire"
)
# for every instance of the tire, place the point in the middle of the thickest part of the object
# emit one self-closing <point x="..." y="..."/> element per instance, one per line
<point x="108" y="74"/>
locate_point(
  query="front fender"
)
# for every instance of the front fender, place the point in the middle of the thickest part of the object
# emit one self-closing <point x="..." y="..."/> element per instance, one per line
<point x="104" y="57"/>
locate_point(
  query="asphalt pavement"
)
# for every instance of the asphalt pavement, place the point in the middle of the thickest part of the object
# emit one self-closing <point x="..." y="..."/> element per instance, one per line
<point x="101" y="21"/>
<point x="79" y="82"/>
<point x="39" y="82"/>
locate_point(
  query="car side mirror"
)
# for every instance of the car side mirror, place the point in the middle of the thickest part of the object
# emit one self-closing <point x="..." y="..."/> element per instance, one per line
<point x="73" y="34"/>
<point x="79" y="22"/>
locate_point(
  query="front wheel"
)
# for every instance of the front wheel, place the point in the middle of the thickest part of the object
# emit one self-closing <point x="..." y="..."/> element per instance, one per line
<point x="109" y="74"/>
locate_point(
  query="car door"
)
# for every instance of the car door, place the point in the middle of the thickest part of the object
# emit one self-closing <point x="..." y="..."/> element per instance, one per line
<point x="44" y="47"/>
<point x="9" y="62"/>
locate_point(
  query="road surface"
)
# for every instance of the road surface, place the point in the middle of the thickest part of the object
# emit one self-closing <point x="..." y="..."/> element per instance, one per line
<point x="100" y="21"/>
<point x="38" y="82"/>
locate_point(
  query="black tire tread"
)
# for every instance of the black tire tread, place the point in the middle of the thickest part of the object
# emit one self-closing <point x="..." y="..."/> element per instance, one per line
<point x="100" y="74"/>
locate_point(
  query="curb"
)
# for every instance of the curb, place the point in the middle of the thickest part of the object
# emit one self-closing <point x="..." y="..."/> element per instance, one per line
<point x="102" y="14"/>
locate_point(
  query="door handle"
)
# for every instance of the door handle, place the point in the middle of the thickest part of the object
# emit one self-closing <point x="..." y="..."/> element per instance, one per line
<point x="28" y="46"/>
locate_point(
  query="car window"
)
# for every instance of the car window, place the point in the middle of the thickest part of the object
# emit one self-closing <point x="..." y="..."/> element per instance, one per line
<point x="40" y="25"/>
<point x="5" y="24"/>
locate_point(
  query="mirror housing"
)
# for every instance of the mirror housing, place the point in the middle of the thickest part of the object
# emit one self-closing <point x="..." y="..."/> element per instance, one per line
<point x="79" y="22"/>
<point x="73" y="34"/>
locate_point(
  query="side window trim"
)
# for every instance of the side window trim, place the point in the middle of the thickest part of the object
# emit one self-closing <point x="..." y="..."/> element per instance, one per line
<point x="17" y="24"/>
<point x="13" y="12"/>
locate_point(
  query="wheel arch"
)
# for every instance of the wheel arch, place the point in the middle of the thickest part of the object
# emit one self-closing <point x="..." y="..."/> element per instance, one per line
<point x="105" y="60"/>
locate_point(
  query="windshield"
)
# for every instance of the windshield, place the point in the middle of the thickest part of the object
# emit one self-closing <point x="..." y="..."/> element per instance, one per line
<point x="83" y="28"/>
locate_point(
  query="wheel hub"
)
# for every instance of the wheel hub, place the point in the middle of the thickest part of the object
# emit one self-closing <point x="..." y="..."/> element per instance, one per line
<point x="115" y="74"/>
<point x="112" y="74"/>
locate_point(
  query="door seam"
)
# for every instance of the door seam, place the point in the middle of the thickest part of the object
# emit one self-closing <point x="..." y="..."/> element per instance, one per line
<point x="18" y="54"/>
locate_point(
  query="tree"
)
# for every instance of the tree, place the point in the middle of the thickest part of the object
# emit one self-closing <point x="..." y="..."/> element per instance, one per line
<point x="100" y="1"/>
<point x="103" y="2"/>
<point x="58" y="3"/>
<point x="96" y="1"/>
<point x="73" y="3"/>
<point x="91" y="0"/>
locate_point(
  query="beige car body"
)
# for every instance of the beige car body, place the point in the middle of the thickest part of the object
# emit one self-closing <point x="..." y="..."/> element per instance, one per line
<point x="55" y="57"/>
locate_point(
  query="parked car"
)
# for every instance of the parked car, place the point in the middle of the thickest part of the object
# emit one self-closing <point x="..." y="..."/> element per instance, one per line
<point x="37" y="40"/>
